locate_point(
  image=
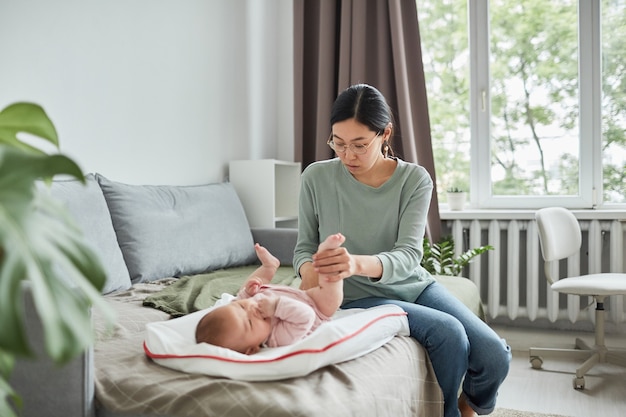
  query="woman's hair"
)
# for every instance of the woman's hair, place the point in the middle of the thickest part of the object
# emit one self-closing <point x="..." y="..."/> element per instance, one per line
<point x="366" y="105"/>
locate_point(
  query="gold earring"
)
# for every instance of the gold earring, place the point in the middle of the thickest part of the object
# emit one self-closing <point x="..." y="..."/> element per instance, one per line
<point x="386" y="151"/>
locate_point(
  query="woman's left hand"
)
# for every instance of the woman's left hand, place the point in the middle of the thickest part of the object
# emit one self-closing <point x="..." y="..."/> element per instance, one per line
<point x="334" y="264"/>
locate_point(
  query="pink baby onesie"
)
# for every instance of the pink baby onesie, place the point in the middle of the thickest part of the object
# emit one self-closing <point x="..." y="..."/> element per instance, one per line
<point x="296" y="314"/>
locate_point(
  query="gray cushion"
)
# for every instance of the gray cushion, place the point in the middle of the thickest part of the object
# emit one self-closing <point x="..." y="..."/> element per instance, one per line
<point x="167" y="231"/>
<point x="88" y="208"/>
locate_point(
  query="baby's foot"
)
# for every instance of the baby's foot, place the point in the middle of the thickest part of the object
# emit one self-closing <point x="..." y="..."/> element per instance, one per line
<point x="266" y="258"/>
<point x="332" y="242"/>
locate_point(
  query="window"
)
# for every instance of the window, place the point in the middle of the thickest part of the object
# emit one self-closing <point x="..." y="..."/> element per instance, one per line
<point x="527" y="100"/>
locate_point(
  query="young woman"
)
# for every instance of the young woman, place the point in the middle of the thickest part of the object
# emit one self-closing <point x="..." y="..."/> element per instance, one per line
<point x="379" y="203"/>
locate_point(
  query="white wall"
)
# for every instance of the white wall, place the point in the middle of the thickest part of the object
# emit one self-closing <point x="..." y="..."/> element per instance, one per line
<point x="155" y="91"/>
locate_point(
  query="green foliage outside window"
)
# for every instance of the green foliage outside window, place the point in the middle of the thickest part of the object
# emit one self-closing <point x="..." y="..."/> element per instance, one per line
<point x="534" y="95"/>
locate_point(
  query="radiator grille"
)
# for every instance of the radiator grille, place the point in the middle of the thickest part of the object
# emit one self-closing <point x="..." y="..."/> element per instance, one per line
<point x="511" y="277"/>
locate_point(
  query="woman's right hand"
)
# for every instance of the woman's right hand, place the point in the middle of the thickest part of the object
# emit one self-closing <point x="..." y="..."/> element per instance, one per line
<point x="334" y="264"/>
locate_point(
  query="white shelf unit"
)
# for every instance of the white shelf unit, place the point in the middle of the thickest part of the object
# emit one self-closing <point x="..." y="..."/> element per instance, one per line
<point x="268" y="190"/>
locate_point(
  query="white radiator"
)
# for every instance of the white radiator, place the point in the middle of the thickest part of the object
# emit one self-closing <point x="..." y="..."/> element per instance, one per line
<point x="511" y="277"/>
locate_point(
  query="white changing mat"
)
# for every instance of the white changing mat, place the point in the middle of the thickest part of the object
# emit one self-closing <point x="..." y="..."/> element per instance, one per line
<point x="350" y="334"/>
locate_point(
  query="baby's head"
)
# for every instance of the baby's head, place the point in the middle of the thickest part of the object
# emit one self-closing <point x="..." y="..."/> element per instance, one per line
<point x="238" y="325"/>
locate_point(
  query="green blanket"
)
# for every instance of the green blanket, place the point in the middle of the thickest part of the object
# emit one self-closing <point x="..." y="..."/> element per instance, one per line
<point x="197" y="292"/>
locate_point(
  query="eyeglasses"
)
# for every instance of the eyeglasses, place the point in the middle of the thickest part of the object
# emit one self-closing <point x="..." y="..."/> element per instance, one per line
<point x="355" y="148"/>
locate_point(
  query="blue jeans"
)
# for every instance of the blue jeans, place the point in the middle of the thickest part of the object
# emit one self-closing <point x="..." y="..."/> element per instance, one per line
<point x="459" y="344"/>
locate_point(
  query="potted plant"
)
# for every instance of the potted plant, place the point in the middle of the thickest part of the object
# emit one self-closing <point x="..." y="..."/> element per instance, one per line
<point x="439" y="258"/>
<point x="456" y="198"/>
<point x="40" y="245"/>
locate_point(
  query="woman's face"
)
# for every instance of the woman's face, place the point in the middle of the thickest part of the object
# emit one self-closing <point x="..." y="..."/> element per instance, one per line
<point x="350" y="132"/>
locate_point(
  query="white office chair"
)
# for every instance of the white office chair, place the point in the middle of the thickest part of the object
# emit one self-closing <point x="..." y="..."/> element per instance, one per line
<point x="560" y="237"/>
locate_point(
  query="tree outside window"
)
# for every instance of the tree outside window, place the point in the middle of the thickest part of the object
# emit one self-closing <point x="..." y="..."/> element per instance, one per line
<point x="538" y="69"/>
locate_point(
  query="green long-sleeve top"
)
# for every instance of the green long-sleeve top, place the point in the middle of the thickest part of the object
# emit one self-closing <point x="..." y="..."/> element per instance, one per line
<point x="388" y="221"/>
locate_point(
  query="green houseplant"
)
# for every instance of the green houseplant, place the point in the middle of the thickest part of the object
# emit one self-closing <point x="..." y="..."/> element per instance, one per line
<point x="454" y="190"/>
<point x="40" y="245"/>
<point x="439" y="258"/>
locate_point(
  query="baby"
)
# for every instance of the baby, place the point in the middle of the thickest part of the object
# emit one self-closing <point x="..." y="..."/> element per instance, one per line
<point x="271" y="315"/>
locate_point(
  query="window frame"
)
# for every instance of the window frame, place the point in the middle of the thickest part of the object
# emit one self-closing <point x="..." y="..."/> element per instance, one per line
<point x="590" y="117"/>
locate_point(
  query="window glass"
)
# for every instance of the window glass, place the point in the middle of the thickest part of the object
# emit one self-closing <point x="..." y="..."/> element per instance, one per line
<point x="534" y="97"/>
<point x="530" y="96"/>
<point x="445" y="53"/>
<point x="614" y="100"/>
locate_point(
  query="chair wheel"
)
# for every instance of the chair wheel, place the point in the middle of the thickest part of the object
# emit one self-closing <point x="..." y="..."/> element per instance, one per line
<point x="536" y="362"/>
<point x="579" y="383"/>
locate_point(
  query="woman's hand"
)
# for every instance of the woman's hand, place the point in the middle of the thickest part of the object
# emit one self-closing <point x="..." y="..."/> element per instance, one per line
<point x="334" y="264"/>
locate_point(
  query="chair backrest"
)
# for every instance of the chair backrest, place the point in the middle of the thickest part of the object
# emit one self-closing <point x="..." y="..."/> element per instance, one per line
<point x="559" y="233"/>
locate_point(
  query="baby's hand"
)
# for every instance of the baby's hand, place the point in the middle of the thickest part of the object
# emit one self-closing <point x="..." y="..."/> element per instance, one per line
<point x="267" y="305"/>
<point x="253" y="285"/>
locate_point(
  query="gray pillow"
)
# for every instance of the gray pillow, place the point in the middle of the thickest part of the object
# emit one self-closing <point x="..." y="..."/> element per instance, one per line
<point x="167" y="231"/>
<point x="89" y="210"/>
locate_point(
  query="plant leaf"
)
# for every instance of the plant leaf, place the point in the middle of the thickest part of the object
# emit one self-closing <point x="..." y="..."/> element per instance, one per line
<point x="14" y="337"/>
<point x="39" y="243"/>
<point x="41" y="246"/>
<point x="66" y="277"/>
<point x="19" y="170"/>
<point x="440" y="259"/>
<point x="7" y="394"/>
<point x="27" y="118"/>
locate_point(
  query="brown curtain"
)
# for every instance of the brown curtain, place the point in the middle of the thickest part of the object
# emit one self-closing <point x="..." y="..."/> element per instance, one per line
<point x="338" y="43"/>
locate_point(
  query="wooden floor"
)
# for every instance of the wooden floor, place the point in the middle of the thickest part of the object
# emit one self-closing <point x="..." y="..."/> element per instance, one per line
<point x="550" y="390"/>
